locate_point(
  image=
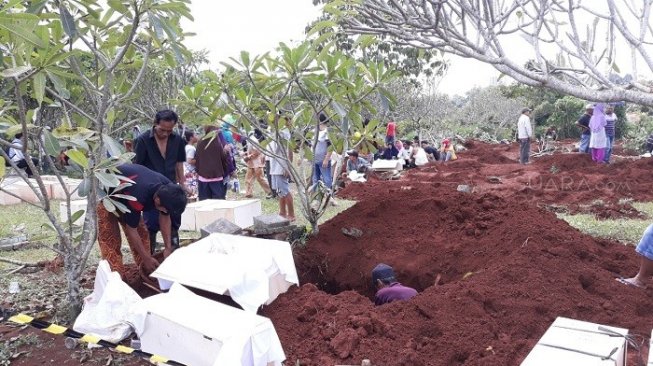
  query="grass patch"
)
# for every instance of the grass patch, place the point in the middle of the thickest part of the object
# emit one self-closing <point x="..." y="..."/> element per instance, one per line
<point x="627" y="231"/>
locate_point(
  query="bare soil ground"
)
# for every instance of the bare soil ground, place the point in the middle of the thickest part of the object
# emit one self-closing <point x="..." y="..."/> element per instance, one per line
<point x="508" y="265"/>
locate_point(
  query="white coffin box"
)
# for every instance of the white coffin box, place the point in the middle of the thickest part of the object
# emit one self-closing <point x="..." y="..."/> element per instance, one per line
<point x="23" y="190"/>
<point x="190" y="329"/>
<point x="75" y="206"/>
<point x="387" y="165"/>
<point x="201" y="213"/>
<point x="58" y="191"/>
<point x="252" y="271"/>
<point x="579" y="343"/>
<point x="7" y="199"/>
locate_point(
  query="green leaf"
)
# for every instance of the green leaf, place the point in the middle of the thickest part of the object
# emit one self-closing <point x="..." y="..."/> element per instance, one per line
<point x="124" y="197"/>
<point x="118" y="6"/>
<point x="20" y="31"/>
<point x="78" y="157"/>
<point x="2" y="167"/>
<point x="39" y="87"/>
<point x="108" y="180"/>
<point x="52" y="146"/>
<point x="113" y="147"/>
<point x="106" y="201"/>
<point x="68" y="22"/>
<point x="616" y="68"/>
<point x="75" y="216"/>
<point x="15" y="72"/>
<point x="321" y="25"/>
<point x="84" y="187"/>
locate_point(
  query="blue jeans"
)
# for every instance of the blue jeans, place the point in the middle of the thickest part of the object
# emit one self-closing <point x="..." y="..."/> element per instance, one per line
<point x="584" y="144"/>
<point x="322" y="173"/>
<point x="645" y="246"/>
<point x="608" y="149"/>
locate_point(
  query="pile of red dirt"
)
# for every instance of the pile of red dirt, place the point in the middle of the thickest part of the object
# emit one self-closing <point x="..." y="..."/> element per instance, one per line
<point x="509" y="267"/>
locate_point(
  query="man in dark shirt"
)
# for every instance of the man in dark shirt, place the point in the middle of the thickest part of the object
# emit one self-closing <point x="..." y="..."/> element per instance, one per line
<point x="152" y="191"/>
<point x="163" y="151"/>
<point x="584" y="124"/>
<point x="432" y="153"/>
<point x="388" y="288"/>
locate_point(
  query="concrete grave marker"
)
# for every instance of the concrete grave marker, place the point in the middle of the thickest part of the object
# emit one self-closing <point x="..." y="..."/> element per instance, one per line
<point x="221" y="225"/>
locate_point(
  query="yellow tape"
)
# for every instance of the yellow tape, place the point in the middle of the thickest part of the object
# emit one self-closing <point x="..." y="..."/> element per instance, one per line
<point x="158" y="359"/>
<point x="90" y="339"/>
<point x="55" y="329"/>
<point x="58" y="330"/>
<point x="123" y="349"/>
<point x="21" y="319"/>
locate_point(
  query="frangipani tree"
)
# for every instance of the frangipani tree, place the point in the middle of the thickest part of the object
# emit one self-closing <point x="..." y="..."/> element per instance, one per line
<point x="597" y="50"/>
<point x="283" y="94"/>
<point x="77" y="57"/>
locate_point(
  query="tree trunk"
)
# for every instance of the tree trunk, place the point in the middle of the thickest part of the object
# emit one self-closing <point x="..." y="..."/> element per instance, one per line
<point x="74" y="294"/>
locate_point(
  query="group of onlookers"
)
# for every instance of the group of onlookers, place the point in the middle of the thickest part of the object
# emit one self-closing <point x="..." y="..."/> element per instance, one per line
<point x="410" y="154"/>
<point x="597" y="127"/>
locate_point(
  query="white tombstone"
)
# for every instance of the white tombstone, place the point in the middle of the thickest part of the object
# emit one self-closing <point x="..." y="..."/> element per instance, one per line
<point x="75" y="206"/>
<point x="202" y="213"/>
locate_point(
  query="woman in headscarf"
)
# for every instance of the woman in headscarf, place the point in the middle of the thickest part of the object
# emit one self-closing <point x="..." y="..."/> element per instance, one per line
<point x="598" y="138"/>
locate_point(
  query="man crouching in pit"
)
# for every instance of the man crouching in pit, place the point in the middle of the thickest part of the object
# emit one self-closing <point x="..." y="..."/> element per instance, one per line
<point x="151" y="191"/>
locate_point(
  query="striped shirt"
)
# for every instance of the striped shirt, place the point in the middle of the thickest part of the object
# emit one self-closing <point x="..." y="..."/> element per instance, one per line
<point x="611" y="120"/>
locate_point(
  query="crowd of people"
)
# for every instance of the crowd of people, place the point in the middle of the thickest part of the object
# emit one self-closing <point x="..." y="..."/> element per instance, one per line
<point x="597" y="133"/>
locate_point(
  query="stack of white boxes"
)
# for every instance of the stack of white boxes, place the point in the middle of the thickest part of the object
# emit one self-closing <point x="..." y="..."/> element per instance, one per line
<point x="202" y="213"/>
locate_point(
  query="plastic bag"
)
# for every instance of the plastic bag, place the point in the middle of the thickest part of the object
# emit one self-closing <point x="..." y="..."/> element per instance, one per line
<point x="107" y="308"/>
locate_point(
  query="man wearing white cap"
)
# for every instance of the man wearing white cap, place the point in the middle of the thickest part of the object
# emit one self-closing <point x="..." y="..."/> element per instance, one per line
<point x="584" y="124"/>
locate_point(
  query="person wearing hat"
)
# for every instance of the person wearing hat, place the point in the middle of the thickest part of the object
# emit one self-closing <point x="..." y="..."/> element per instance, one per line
<point x="388" y="288"/>
<point x="524" y="134"/>
<point x="151" y="191"/>
<point x="584" y="124"/>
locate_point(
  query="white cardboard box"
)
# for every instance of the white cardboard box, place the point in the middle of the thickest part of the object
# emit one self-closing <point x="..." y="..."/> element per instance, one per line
<point x="201" y="213"/>
<point x="387" y="165"/>
<point x="579" y="343"/>
<point x="252" y="271"/>
<point x="72" y="184"/>
<point x="75" y="206"/>
<point x="190" y="329"/>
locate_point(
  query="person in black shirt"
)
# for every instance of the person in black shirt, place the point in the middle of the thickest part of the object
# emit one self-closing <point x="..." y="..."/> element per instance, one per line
<point x="162" y="150"/>
<point x="151" y="191"/>
<point x="432" y="153"/>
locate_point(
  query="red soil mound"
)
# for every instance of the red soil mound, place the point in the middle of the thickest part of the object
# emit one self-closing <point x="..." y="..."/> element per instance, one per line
<point x="508" y="267"/>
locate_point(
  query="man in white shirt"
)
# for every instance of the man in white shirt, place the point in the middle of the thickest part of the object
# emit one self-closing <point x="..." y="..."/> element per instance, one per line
<point x="524" y="134"/>
<point x="17" y="156"/>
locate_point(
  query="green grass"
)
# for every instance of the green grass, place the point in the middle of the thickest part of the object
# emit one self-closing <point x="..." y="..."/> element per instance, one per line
<point x="627" y="231"/>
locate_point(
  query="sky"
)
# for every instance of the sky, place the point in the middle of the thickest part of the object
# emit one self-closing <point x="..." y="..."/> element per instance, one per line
<point x="225" y="28"/>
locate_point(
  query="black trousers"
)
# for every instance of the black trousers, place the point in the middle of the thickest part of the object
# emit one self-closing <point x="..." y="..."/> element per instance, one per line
<point x="22" y="164"/>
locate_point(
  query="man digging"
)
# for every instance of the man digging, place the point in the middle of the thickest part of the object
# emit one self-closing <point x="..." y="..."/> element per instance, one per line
<point x="152" y="191"/>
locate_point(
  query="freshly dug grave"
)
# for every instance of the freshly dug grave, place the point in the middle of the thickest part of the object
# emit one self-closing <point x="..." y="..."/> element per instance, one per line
<point x="508" y="268"/>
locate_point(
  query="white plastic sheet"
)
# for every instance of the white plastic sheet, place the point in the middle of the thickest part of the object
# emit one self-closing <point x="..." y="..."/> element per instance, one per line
<point x="252" y="271"/>
<point x="107" y="310"/>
